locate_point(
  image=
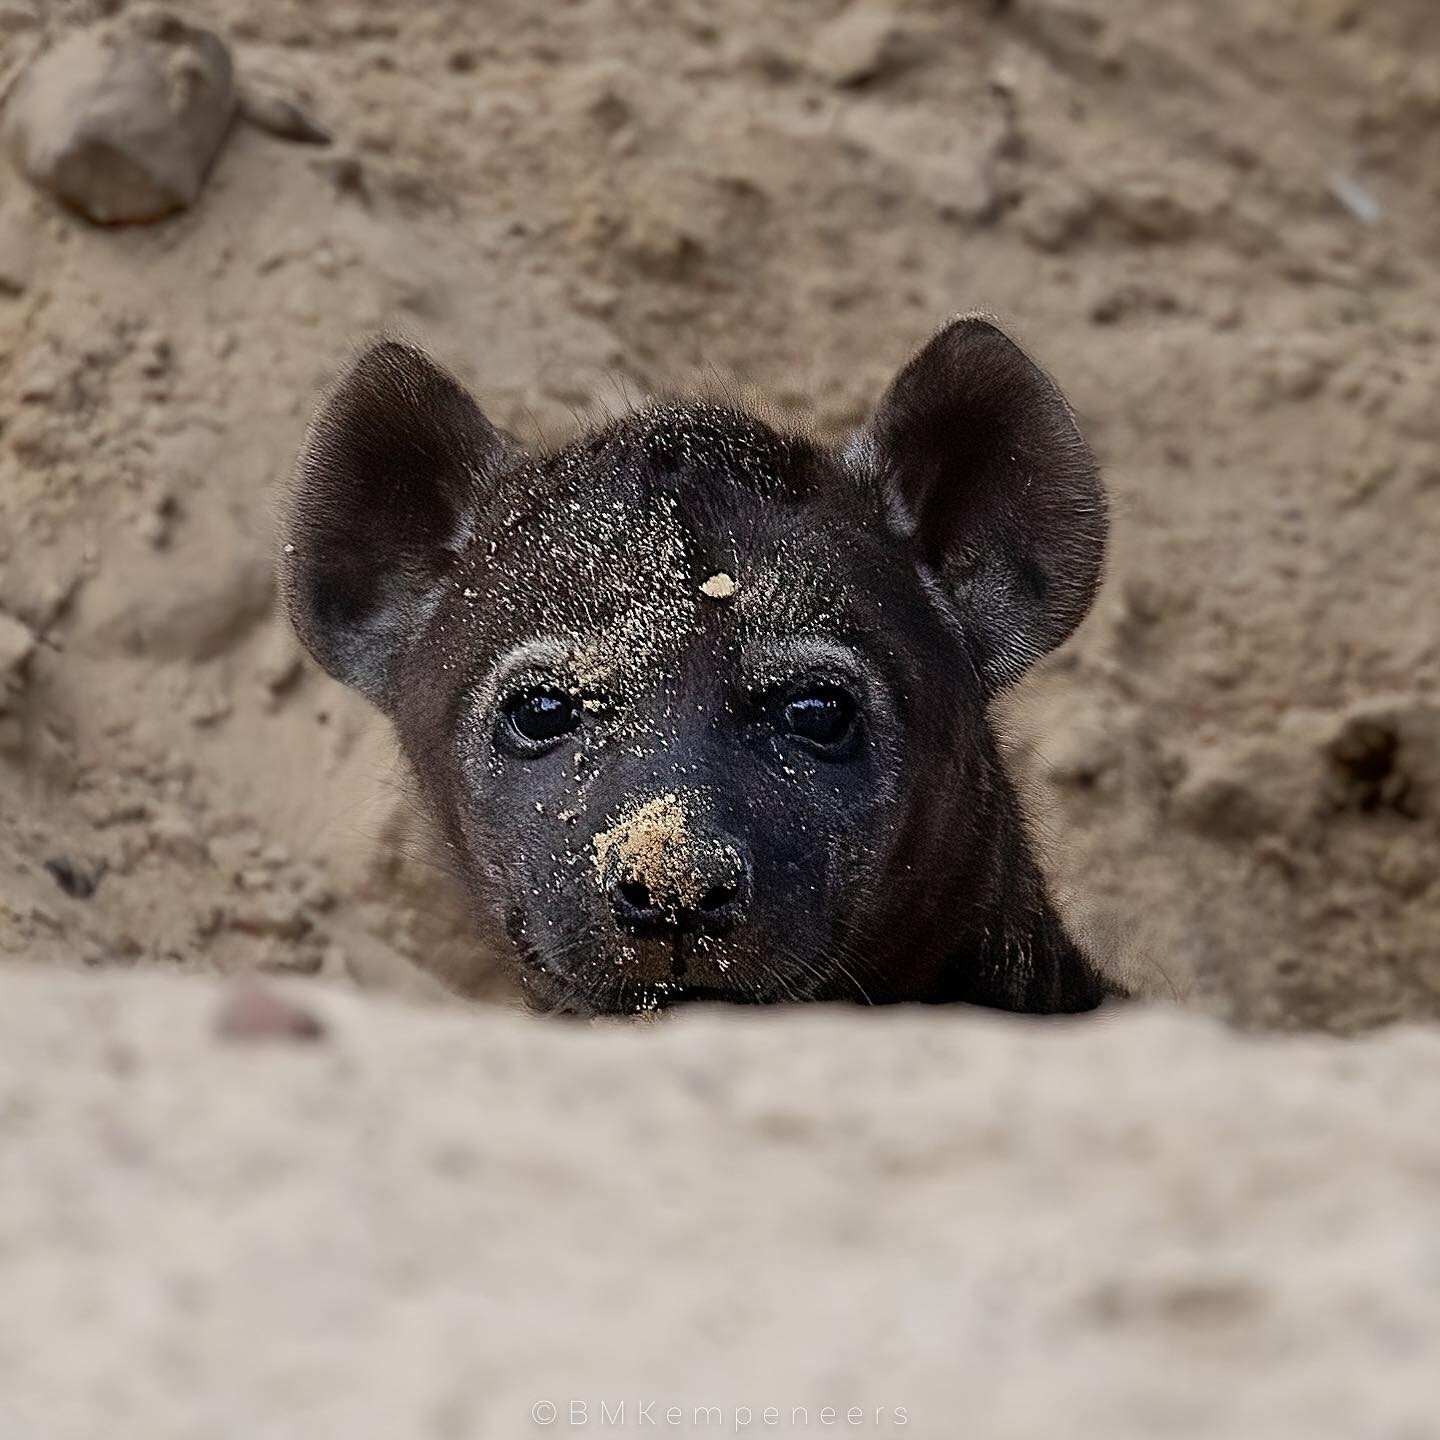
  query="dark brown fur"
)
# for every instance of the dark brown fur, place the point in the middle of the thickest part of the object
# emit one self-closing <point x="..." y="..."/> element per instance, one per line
<point x="778" y="779"/>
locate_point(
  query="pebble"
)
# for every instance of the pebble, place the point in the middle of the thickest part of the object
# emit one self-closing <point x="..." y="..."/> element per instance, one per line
<point x="171" y="833"/>
<point x="122" y="121"/>
<point x="1383" y="755"/>
<point x="294" y="961"/>
<point x="282" y="118"/>
<point x="346" y="173"/>
<point x="269" y="915"/>
<point x="17" y="645"/>
<point x="1223" y="795"/>
<point x="252" y="1010"/>
<point x="79" y="879"/>
<point x="279" y="664"/>
<point x="17" y="253"/>
<point x="864" y="43"/>
<point x="1055" y="214"/>
<point x="208" y="707"/>
<point x="1085" y="751"/>
<point x="1354" y="198"/>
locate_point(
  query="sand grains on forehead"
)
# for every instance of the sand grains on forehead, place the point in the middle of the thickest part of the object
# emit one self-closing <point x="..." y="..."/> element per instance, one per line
<point x="720" y="587"/>
<point x="653" y="846"/>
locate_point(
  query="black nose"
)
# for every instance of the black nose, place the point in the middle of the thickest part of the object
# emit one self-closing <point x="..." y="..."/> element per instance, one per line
<point x="708" y="897"/>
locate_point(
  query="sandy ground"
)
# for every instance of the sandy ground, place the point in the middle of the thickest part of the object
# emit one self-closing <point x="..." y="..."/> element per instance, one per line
<point x="1135" y="1229"/>
<point x="587" y="206"/>
<point x="1217" y="225"/>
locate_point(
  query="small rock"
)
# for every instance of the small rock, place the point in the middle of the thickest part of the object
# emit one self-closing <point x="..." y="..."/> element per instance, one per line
<point x="1383" y="756"/>
<point x="156" y="355"/>
<point x="252" y="1011"/>
<point x="156" y="525"/>
<point x="123" y="121"/>
<point x="104" y="811"/>
<point x="42" y="379"/>
<point x="99" y="954"/>
<point x="17" y="252"/>
<point x="1406" y="870"/>
<point x="17" y="645"/>
<point x="272" y="916"/>
<point x="293" y="961"/>
<point x="664" y="240"/>
<point x="279" y="665"/>
<point x="1292" y="372"/>
<point x="208" y="707"/>
<point x="1055" y="214"/>
<point x="208" y="922"/>
<point x="45" y="917"/>
<point x="171" y="833"/>
<point x="312" y="893"/>
<point x="79" y="879"/>
<point x="153" y="529"/>
<point x="862" y="44"/>
<point x="1354" y="198"/>
<point x="1084" y="752"/>
<point x="282" y="118"/>
<point x="39" y="586"/>
<point x="346" y="173"/>
<point x="1154" y="209"/>
<point x="1226" y="795"/>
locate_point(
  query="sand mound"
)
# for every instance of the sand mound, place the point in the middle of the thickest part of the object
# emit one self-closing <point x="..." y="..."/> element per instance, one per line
<point x="424" y="1223"/>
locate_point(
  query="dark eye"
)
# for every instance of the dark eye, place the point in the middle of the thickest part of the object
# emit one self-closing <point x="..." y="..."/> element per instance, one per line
<point x="824" y="717"/>
<point x="539" y="718"/>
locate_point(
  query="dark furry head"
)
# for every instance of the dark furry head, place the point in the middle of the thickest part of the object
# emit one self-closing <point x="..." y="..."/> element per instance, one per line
<point x="701" y="707"/>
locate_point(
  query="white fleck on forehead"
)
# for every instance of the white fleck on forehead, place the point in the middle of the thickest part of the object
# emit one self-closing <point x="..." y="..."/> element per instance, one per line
<point x="720" y="586"/>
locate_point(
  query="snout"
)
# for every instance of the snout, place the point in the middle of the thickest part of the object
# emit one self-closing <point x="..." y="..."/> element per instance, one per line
<point x="700" y="889"/>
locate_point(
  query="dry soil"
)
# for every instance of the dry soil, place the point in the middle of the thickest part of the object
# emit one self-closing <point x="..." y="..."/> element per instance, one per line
<point x="1216" y="223"/>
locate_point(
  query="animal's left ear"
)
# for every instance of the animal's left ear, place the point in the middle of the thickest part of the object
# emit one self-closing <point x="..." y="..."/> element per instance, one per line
<point x="398" y="465"/>
<point x="983" y="465"/>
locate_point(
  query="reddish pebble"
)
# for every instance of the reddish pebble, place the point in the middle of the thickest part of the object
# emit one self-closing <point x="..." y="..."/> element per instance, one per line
<point x="252" y="1011"/>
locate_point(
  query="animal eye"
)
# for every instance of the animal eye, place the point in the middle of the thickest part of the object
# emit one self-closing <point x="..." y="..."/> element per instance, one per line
<point x="824" y="717"/>
<point x="538" y="718"/>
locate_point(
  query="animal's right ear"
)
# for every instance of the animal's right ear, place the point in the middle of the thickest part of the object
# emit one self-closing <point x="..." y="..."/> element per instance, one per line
<point x="983" y="468"/>
<point x="394" y="472"/>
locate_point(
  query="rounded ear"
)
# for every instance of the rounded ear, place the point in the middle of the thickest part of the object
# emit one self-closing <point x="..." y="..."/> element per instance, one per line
<point x="394" y="471"/>
<point x="982" y="464"/>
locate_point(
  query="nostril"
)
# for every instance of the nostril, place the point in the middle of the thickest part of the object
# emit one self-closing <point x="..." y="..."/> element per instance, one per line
<point x="635" y="897"/>
<point x="717" y="897"/>
<point x="709" y="903"/>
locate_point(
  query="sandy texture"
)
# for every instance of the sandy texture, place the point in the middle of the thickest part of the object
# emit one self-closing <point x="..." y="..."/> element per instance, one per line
<point x="423" y="1223"/>
<point x="1217" y="229"/>
<point x="1217" y="225"/>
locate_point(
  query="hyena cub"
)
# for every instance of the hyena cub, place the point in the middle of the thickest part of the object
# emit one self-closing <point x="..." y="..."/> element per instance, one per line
<point x="700" y="707"/>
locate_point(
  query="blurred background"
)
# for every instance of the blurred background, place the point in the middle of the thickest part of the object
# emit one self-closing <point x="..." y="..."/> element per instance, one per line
<point x="1215" y="223"/>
